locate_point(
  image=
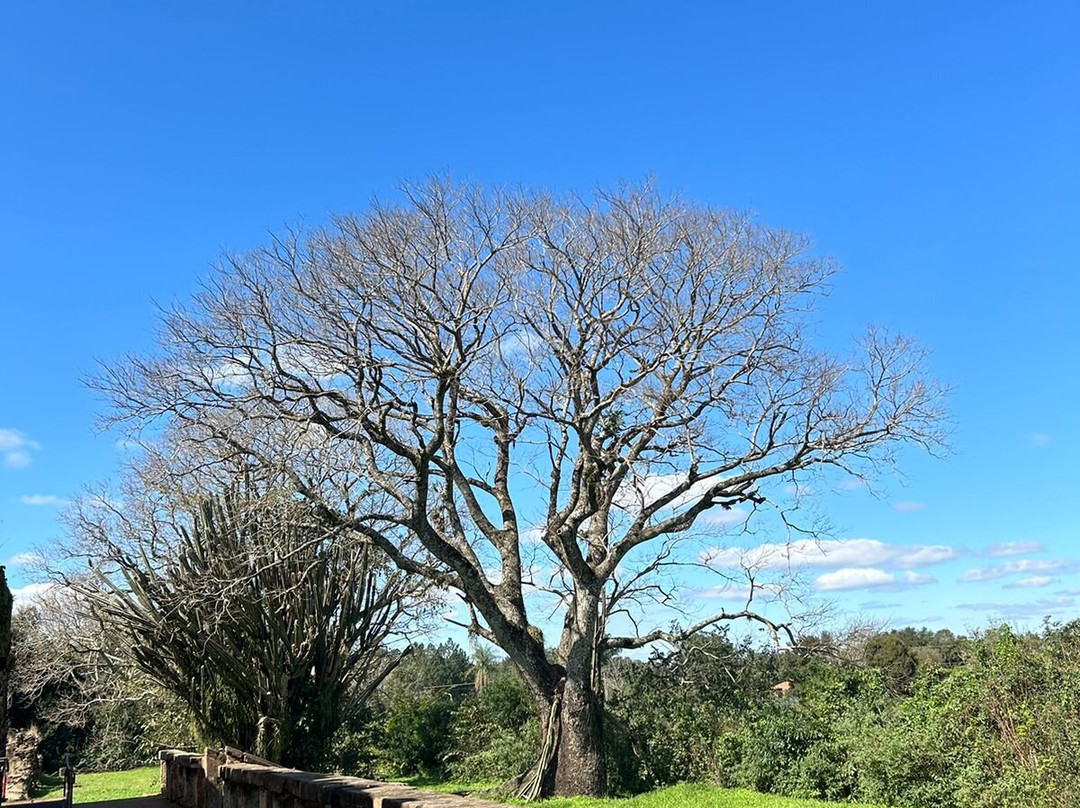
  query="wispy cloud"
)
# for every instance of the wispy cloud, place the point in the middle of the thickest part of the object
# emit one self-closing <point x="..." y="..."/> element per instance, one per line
<point x="869" y="578"/>
<point x="831" y="553"/>
<point x="1042" y="607"/>
<point x="42" y="499"/>
<point x="912" y="578"/>
<point x="1003" y="549"/>
<point x="1039" y="439"/>
<point x="740" y="592"/>
<point x="908" y="506"/>
<point x="1031" y="582"/>
<point x="16" y="448"/>
<point x="852" y="484"/>
<point x="878" y="605"/>
<point x="1032" y="566"/>
<point x="22" y="559"/>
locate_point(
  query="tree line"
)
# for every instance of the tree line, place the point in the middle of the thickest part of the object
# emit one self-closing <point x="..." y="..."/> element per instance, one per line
<point x="909" y="717"/>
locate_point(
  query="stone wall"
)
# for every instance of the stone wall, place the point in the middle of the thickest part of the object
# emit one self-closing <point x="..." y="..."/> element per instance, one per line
<point x="234" y="780"/>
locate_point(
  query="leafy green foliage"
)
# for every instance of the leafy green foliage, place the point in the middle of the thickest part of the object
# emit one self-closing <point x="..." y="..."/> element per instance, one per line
<point x="415" y="707"/>
<point x="929" y="719"/>
<point x="495" y="730"/>
<point x="987" y="722"/>
<point x="415" y="734"/>
<point x="891" y="655"/>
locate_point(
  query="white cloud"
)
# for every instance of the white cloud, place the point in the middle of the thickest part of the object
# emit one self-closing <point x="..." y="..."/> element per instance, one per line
<point x="520" y="343"/>
<point x="640" y="492"/>
<point x="912" y="578"/>
<point x="42" y="499"/>
<point x="1044" y="607"/>
<point x="908" y="507"/>
<point x="831" y="553"/>
<point x="869" y="578"/>
<point x="740" y="592"/>
<point x="1026" y="565"/>
<point x="1031" y="582"/>
<point x="22" y="559"/>
<point x="25" y="595"/>
<point x="723" y="517"/>
<point x="1002" y="549"/>
<point x="1039" y="439"/>
<point x="854" y="578"/>
<point x="15" y="448"/>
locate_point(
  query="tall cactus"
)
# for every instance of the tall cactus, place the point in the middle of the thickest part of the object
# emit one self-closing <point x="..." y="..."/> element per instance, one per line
<point x="270" y="626"/>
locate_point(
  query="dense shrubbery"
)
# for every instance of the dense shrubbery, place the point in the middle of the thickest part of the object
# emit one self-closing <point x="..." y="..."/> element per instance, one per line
<point x="991" y="722"/>
<point x="442" y="714"/>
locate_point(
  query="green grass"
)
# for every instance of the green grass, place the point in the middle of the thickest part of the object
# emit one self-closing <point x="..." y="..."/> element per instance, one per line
<point x="139" y="782"/>
<point x="97" y="786"/>
<point x="697" y="795"/>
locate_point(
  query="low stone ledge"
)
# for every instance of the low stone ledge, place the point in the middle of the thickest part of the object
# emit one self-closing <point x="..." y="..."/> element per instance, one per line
<point x="312" y="790"/>
<point x="219" y="780"/>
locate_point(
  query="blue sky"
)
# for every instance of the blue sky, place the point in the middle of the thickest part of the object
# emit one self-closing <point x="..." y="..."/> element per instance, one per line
<point x="930" y="147"/>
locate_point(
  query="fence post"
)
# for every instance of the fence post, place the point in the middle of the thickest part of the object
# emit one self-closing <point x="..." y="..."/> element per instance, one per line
<point x="69" y="781"/>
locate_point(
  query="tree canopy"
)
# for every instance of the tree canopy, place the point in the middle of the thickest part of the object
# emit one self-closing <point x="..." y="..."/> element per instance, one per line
<point x="507" y="392"/>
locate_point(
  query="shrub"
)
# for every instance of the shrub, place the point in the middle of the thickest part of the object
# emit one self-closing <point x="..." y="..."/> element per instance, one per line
<point x="495" y="733"/>
<point x="415" y="737"/>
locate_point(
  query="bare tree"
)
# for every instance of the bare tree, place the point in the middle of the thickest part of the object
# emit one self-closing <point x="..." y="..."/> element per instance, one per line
<point x="69" y="676"/>
<point x="267" y="623"/>
<point x="474" y="373"/>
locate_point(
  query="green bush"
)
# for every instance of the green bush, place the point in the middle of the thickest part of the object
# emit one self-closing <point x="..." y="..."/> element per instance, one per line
<point x="495" y="732"/>
<point x="415" y="737"/>
<point x="354" y="748"/>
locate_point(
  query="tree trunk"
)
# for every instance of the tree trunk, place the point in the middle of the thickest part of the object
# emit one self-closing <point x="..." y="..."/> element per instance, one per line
<point x="571" y="759"/>
<point x="580" y="766"/>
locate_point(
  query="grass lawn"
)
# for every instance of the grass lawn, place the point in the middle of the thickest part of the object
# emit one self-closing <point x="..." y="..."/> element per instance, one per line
<point x="697" y="795"/>
<point x="687" y="794"/>
<point x="97" y="786"/>
<point x="139" y="782"/>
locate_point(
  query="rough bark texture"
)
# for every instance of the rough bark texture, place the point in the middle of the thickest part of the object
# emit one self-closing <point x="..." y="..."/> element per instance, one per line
<point x="24" y="762"/>
<point x="581" y="767"/>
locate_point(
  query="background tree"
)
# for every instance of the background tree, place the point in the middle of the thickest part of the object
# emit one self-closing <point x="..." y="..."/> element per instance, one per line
<point x="890" y="654"/>
<point x="268" y="624"/>
<point x="475" y="374"/>
<point x="83" y="693"/>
